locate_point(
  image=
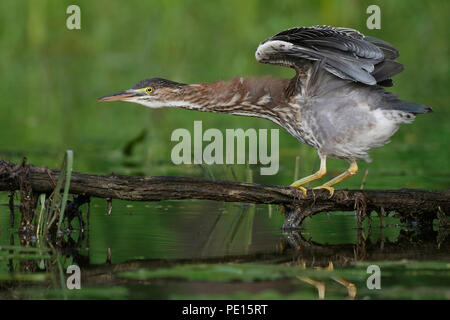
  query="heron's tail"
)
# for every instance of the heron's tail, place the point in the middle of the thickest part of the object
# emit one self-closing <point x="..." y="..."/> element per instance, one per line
<point x="412" y="107"/>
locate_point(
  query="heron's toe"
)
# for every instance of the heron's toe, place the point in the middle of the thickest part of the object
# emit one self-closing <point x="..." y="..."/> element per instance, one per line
<point x="330" y="189"/>
<point x="302" y="189"/>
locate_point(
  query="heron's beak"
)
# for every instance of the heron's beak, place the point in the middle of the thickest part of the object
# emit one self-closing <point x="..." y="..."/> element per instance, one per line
<point x="120" y="96"/>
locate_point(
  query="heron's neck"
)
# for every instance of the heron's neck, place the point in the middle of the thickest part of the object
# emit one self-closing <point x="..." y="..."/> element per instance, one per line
<point x="241" y="96"/>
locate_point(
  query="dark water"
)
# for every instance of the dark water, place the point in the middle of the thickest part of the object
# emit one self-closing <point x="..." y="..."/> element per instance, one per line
<point x="207" y="249"/>
<point x="114" y="252"/>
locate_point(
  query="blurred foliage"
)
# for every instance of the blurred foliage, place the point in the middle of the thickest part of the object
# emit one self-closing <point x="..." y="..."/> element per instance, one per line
<point x="52" y="76"/>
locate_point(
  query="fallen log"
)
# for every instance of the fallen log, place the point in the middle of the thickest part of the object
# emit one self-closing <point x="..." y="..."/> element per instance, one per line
<point x="409" y="204"/>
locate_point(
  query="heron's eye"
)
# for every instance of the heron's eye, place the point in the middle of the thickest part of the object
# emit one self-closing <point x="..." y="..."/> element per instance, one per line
<point x="149" y="90"/>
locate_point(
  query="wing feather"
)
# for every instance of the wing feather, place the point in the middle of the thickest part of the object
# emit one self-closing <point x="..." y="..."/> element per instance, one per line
<point x="345" y="53"/>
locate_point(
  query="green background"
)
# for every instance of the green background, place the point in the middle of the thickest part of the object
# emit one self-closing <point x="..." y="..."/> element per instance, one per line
<point x="51" y="77"/>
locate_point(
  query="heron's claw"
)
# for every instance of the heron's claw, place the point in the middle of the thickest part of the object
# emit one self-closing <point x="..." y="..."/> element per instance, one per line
<point x="303" y="190"/>
<point x="330" y="189"/>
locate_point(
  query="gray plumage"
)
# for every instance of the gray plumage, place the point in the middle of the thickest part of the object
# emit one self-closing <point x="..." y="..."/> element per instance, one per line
<point x="347" y="53"/>
<point x="339" y="104"/>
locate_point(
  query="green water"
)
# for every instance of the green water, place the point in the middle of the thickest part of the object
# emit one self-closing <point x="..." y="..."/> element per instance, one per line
<point x="197" y="249"/>
<point x="52" y="76"/>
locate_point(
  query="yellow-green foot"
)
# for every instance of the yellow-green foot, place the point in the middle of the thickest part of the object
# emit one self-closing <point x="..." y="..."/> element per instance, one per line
<point x="303" y="190"/>
<point x="330" y="189"/>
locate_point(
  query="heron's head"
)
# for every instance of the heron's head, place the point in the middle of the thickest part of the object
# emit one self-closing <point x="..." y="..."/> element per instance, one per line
<point x="153" y="93"/>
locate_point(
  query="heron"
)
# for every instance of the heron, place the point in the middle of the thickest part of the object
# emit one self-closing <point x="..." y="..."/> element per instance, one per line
<point x="335" y="103"/>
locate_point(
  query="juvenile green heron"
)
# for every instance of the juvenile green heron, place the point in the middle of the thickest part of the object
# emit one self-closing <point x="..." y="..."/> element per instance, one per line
<point x="335" y="103"/>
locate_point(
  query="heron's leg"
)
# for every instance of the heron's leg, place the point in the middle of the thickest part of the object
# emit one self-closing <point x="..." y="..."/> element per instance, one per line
<point x="351" y="288"/>
<point x="320" y="286"/>
<point x="348" y="173"/>
<point x="319" y="174"/>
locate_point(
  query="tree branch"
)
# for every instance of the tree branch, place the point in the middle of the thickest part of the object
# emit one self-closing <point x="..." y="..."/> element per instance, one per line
<point x="410" y="204"/>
